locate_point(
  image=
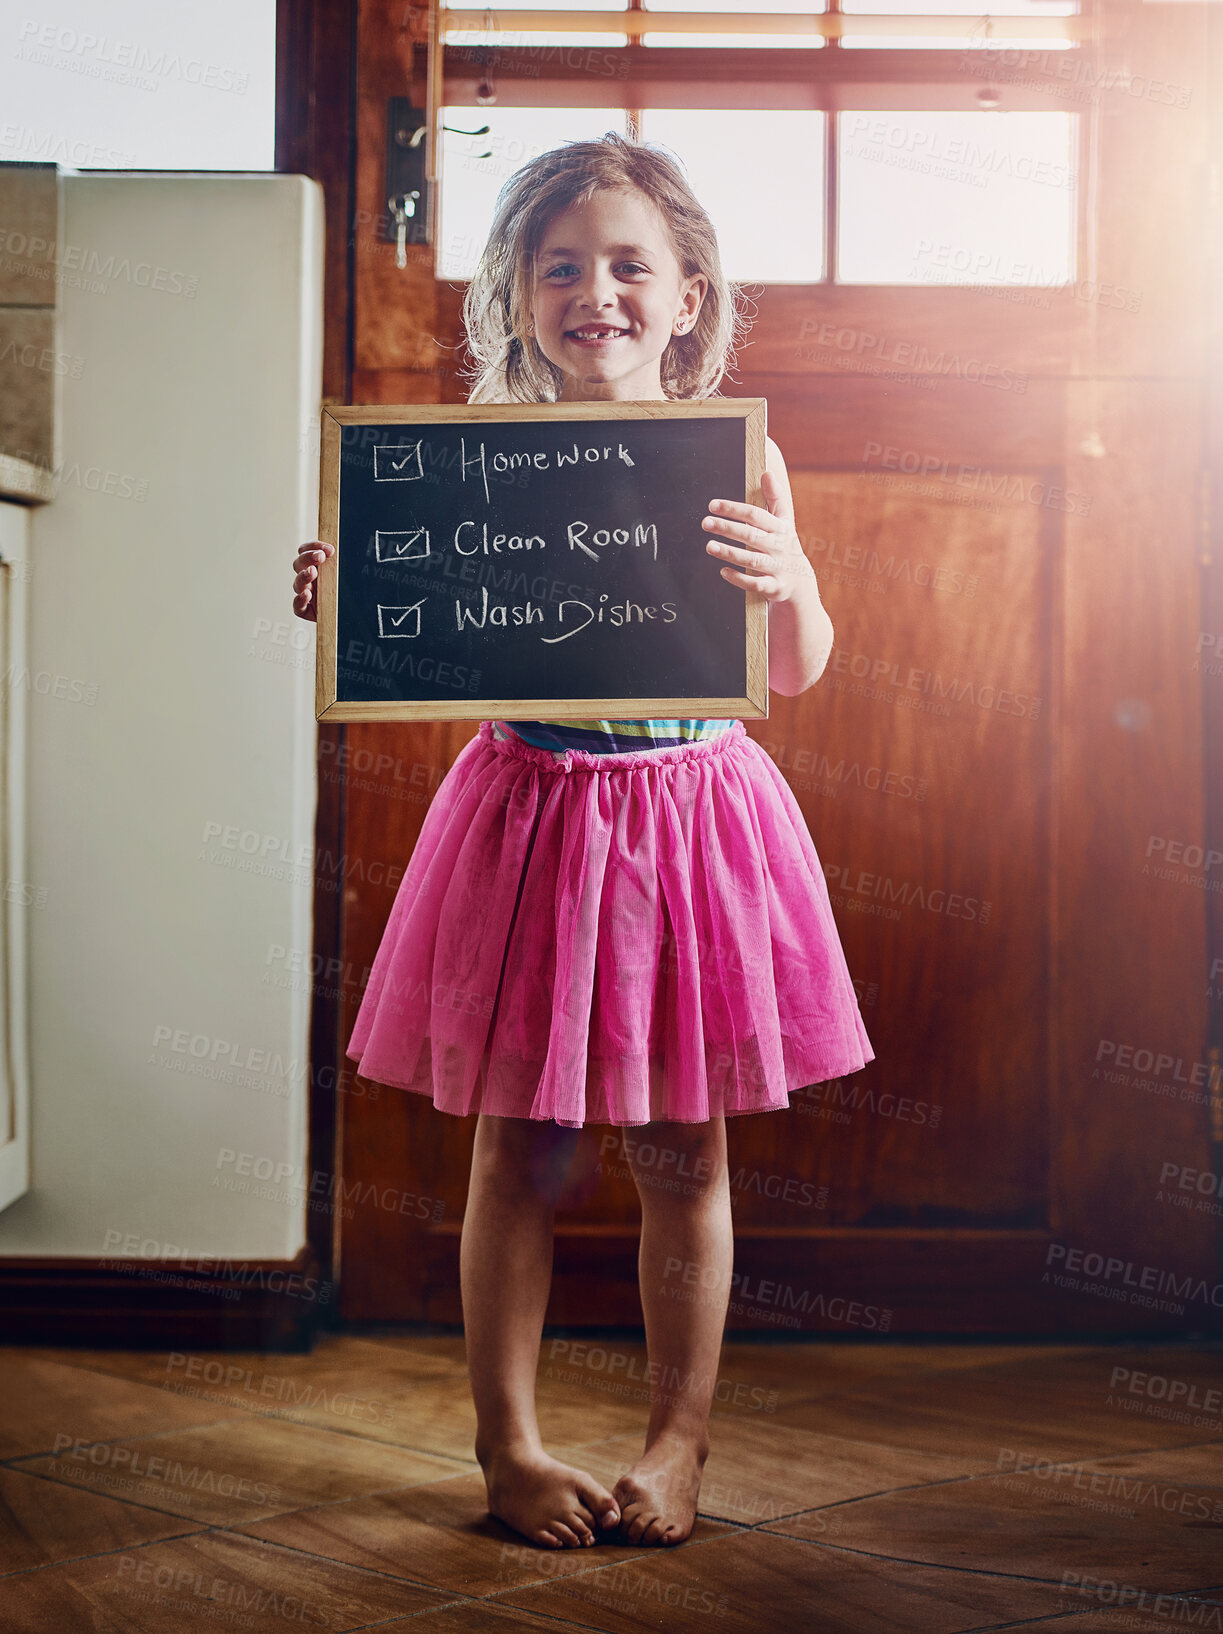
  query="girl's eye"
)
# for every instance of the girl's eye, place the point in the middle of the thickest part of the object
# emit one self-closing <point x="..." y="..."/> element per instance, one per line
<point x="625" y="266"/>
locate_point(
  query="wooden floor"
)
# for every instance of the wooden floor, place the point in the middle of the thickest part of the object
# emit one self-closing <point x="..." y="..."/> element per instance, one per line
<point x="918" y="1489"/>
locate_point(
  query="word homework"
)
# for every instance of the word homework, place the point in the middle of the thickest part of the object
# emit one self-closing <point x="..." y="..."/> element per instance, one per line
<point x="404" y="461"/>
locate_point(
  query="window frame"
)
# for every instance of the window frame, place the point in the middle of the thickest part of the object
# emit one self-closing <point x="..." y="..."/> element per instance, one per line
<point x="832" y="80"/>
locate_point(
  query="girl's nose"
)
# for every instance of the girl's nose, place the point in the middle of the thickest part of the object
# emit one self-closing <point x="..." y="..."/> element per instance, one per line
<point x="596" y="291"/>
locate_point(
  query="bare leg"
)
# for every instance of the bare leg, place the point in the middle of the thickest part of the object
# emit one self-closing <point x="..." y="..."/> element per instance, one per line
<point x="687" y="1250"/>
<point x="506" y="1270"/>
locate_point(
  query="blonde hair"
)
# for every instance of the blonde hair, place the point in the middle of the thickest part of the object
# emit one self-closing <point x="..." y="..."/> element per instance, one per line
<point x="509" y="366"/>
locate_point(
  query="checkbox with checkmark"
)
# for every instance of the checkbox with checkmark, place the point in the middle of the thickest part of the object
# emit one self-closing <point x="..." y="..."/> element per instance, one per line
<point x="397" y="462"/>
<point x="406" y="545"/>
<point x="399" y="623"/>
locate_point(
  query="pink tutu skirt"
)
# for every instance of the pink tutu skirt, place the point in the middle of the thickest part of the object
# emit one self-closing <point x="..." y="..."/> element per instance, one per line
<point x="612" y="939"/>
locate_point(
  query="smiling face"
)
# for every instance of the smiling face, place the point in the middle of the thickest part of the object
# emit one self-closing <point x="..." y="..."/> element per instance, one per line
<point x="609" y="296"/>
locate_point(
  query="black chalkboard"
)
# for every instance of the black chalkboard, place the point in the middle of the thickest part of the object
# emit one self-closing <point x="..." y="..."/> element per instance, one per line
<point x="536" y="561"/>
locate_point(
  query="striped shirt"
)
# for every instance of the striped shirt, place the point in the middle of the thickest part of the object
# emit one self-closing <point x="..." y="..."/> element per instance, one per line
<point x="608" y="737"/>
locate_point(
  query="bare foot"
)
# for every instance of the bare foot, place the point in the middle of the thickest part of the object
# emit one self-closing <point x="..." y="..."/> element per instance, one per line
<point x="657" y="1496"/>
<point x="550" y="1503"/>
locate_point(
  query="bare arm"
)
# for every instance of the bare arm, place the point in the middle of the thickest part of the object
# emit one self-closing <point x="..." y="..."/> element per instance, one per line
<point x="767" y="556"/>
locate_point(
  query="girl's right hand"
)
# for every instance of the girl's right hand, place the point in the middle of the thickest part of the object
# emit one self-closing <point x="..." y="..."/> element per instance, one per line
<point x="305" y="577"/>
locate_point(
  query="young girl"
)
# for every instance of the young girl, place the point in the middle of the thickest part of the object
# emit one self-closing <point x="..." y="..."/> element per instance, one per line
<point x="618" y="922"/>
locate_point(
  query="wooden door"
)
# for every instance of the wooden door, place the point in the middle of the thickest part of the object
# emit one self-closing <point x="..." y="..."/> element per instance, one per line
<point x="1002" y="772"/>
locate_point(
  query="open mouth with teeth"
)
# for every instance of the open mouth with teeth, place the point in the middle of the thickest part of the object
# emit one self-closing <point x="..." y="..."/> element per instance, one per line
<point x="591" y="333"/>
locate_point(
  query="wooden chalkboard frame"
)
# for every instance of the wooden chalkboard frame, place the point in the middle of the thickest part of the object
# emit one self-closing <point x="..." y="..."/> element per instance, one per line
<point x="752" y="705"/>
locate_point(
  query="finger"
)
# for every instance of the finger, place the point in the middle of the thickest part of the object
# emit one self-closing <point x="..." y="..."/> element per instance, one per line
<point x="728" y="507"/>
<point x="775" y="496"/>
<point x="760" y="560"/>
<point x="739" y="510"/>
<point x="747" y="531"/>
<point x="763" y="584"/>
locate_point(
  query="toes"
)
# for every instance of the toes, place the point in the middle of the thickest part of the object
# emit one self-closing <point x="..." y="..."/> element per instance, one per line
<point x="567" y="1538"/>
<point x="578" y="1526"/>
<point x="546" y="1539"/>
<point x="637" y="1525"/>
<point x="600" y="1502"/>
<point x="652" y="1532"/>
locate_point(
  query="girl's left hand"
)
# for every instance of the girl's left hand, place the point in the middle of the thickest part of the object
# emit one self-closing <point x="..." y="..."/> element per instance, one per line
<point x="769" y="558"/>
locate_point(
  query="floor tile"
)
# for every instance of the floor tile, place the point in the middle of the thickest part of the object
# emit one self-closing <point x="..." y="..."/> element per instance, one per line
<point x="435" y="1415"/>
<point x="1170" y="1389"/>
<point x="745" y="1584"/>
<point x="1148" y="1520"/>
<point x="451" y="1347"/>
<point x="1154" y="1615"/>
<point x="242" y="1469"/>
<point x="440" y="1534"/>
<point x="212" y="1580"/>
<point x="360" y="1372"/>
<point x="798" y="1372"/>
<point x="758" y="1377"/>
<point x="755" y="1468"/>
<point x="45" y="1405"/>
<point x="42" y="1521"/>
<point x="1051" y="1407"/>
<point x="427" y="1407"/>
<point x="346" y="1478"/>
<point x="477" y="1617"/>
<point x="330" y="1351"/>
<point x="761" y="1471"/>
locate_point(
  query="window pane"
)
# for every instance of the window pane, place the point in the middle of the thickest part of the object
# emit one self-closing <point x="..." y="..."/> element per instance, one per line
<point x="736" y="42"/>
<point x="974" y="34"/>
<point x="469" y="183"/>
<point x="137" y="84"/>
<point x="511" y="37"/>
<point x="749" y="167"/>
<point x="956" y="198"/>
